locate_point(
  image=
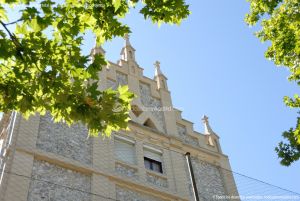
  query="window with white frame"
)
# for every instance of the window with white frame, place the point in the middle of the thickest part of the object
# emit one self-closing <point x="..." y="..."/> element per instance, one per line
<point x="125" y="150"/>
<point x="153" y="159"/>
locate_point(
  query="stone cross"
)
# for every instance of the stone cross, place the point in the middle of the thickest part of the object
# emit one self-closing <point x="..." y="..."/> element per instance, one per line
<point x="205" y="119"/>
<point x="126" y="37"/>
<point x="157" y="64"/>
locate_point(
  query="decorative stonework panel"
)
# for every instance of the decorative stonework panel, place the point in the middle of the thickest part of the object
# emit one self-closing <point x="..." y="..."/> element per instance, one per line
<point x="208" y="179"/>
<point x="185" y="137"/>
<point x="126" y="170"/>
<point x="157" y="181"/>
<point x="121" y="80"/>
<point x="51" y="182"/>
<point x="111" y="84"/>
<point x="153" y="105"/>
<point x="123" y="194"/>
<point x="181" y="130"/>
<point x="71" y="142"/>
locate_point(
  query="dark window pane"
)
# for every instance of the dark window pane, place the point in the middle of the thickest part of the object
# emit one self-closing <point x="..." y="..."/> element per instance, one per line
<point x="147" y="163"/>
<point x="157" y="166"/>
<point x="153" y="165"/>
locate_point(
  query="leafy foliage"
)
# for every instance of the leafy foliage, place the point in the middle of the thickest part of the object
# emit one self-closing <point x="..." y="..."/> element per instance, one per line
<point x="43" y="69"/>
<point x="289" y="152"/>
<point x="280" y="25"/>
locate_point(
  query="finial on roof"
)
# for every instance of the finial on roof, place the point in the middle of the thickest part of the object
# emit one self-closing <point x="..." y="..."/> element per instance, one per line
<point x="157" y="64"/>
<point x="207" y="128"/>
<point x="127" y="52"/>
<point x="205" y="119"/>
<point x="127" y="41"/>
<point x="160" y="78"/>
<point x="97" y="49"/>
<point x="157" y="68"/>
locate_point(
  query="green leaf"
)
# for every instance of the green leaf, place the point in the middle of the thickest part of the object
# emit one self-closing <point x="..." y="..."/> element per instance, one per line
<point x="21" y="29"/>
<point x="117" y="4"/>
<point x="44" y="68"/>
<point x="3" y="15"/>
<point x="123" y="89"/>
<point x="279" y="26"/>
<point x="34" y="25"/>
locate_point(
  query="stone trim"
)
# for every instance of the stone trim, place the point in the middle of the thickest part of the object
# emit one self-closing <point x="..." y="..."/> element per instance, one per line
<point x="156" y="179"/>
<point x="175" y="142"/>
<point x="126" y="170"/>
<point x="125" y="194"/>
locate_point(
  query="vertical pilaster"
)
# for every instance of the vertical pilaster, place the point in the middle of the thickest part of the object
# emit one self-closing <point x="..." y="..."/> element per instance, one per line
<point x="228" y="179"/>
<point x="28" y="132"/>
<point x="180" y="175"/>
<point x="103" y="154"/>
<point x="102" y="188"/>
<point x="169" y="170"/>
<point x="169" y="113"/>
<point x="19" y="177"/>
<point x="140" y="161"/>
<point x="19" y="174"/>
<point x="102" y="79"/>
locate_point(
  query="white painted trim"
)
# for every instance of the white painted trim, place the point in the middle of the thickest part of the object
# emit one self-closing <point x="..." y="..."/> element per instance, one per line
<point x="124" y="139"/>
<point x="153" y="149"/>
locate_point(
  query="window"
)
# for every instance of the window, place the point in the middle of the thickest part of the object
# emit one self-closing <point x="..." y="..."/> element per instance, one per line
<point x="153" y="159"/>
<point x="153" y="165"/>
<point x="125" y="150"/>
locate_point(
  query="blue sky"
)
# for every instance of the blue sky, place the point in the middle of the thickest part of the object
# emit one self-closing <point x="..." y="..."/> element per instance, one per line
<point x="216" y="66"/>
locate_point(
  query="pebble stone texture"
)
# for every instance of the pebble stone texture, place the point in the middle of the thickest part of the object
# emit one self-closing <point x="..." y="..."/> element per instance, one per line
<point x="127" y="171"/>
<point x="62" y="184"/>
<point x="208" y="179"/>
<point x="157" y="181"/>
<point x="123" y="194"/>
<point x="153" y="105"/>
<point x="121" y="79"/>
<point x="185" y="137"/>
<point x="71" y="142"/>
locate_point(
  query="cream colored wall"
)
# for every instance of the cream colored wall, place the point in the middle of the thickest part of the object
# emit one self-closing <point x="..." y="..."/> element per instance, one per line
<point x="209" y="153"/>
<point x="104" y="177"/>
<point x="102" y="171"/>
<point x="172" y="117"/>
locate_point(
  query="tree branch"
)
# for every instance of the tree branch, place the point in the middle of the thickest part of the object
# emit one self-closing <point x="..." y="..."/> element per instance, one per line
<point x="4" y="25"/>
<point x="17" y="43"/>
<point x="14" y="39"/>
<point x="19" y="20"/>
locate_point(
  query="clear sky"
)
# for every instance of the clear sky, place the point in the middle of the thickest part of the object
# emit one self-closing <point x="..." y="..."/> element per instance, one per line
<point x="216" y="66"/>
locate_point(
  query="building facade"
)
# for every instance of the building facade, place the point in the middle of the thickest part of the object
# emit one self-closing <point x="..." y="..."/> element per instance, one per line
<point x="46" y="161"/>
